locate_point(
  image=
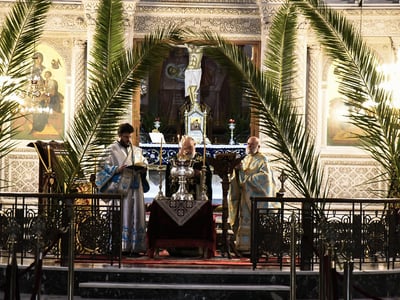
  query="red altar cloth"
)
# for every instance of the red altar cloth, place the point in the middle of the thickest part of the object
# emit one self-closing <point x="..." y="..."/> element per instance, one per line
<point x="198" y="231"/>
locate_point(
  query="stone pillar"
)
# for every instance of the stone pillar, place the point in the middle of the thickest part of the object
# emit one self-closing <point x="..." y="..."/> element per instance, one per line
<point x="266" y="15"/>
<point x="79" y="72"/>
<point x="299" y="82"/>
<point x="312" y="89"/>
<point x="90" y="17"/>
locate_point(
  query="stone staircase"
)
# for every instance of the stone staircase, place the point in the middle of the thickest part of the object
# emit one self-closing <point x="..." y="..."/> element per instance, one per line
<point x="186" y="283"/>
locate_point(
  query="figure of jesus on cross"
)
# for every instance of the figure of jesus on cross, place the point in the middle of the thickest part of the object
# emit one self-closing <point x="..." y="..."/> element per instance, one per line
<point x="193" y="72"/>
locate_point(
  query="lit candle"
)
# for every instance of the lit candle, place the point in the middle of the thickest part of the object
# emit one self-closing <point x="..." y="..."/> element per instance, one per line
<point x="160" y="155"/>
<point x="178" y="139"/>
<point x="48" y="156"/>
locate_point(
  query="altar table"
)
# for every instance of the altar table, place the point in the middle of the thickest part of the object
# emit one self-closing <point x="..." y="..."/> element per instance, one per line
<point x="169" y="151"/>
<point x="164" y="232"/>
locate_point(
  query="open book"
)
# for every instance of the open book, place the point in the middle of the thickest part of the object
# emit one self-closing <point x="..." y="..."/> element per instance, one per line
<point x="157" y="137"/>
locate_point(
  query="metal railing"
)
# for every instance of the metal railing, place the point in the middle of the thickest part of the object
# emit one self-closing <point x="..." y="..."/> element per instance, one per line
<point x="86" y="226"/>
<point x="365" y="232"/>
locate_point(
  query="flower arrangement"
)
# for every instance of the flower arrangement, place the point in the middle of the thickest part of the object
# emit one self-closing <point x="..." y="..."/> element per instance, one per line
<point x="231" y="121"/>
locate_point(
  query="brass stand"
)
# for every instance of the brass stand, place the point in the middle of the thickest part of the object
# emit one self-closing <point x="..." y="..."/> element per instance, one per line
<point x="203" y="195"/>
<point x="160" y="194"/>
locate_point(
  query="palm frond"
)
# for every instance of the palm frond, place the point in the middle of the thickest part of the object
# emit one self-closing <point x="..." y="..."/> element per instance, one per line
<point x="21" y="29"/>
<point x="278" y="119"/>
<point x="109" y="97"/>
<point x="108" y="40"/>
<point x="279" y="61"/>
<point x="356" y="67"/>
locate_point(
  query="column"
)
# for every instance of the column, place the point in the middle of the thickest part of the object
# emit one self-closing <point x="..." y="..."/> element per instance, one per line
<point x="312" y="89"/>
<point x="79" y="72"/>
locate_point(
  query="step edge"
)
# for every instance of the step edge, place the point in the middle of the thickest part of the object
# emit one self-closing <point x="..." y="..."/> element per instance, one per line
<point x="103" y="285"/>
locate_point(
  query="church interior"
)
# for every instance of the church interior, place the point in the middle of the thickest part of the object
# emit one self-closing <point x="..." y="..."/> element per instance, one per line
<point x="221" y="121"/>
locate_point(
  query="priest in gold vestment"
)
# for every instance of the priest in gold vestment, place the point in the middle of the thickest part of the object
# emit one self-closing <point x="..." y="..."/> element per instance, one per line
<point x="252" y="178"/>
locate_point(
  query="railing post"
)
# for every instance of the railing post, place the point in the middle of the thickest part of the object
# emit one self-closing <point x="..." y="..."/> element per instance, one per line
<point x="71" y="247"/>
<point x="12" y="286"/>
<point x="348" y="280"/>
<point x="307" y="236"/>
<point x="39" y="228"/>
<point x="293" y="258"/>
<point x="253" y="237"/>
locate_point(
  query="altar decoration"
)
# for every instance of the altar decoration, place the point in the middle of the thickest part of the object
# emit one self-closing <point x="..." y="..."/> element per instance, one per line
<point x="182" y="169"/>
<point x="157" y="125"/>
<point x="181" y="224"/>
<point x="196" y="124"/>
<point x="160" y="194"/>
<point x="231" y="126"/>
<point x="170" y="151"/>
<point x="180" y="210"/>
<point x="158" y="163"/>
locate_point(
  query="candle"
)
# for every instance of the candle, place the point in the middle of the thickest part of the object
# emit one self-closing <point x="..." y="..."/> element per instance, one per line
<point x="204" y="154"/>
<point x="48" y="156"/>
<point x="160" y="155"/>
<point x="178" y="139"/>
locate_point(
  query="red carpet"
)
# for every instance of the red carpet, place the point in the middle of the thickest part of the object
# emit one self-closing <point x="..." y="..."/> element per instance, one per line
<point x="163" y="259"/>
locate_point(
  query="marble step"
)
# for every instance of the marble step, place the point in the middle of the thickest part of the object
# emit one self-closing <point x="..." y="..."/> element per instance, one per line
<point x="175" y="286"/>
<point x="134" y="290"/>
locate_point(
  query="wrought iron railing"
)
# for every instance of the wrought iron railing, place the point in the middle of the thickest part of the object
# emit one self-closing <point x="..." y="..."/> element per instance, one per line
<point x="365" y="232"/>
<point x="44" y="223"/>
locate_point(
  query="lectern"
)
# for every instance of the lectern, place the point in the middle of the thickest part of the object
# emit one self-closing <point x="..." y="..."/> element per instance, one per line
<point x="224" y="164"/>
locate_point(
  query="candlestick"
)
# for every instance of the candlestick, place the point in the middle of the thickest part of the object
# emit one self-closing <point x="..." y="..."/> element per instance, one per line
<point x="231" y="127"/>
<point x="204" y="155"/>
<point x="160" y="194"/>
<point x="160" y="155"/>
<point x="49" y="157"/>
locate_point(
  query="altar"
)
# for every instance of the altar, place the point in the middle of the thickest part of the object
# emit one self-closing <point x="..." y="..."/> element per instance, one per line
<point x="181" y="223"/>
<point x="157" y="168"/>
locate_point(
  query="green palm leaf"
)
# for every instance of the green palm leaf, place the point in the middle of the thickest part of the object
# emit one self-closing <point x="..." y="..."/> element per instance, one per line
<point x="279" y="61"/>
<point x="108" y="38"/>
<point x="278" y="118"/>
<point x="117" y="73"/>
<point x="21" y="29"/>
<point x="360" y="81"/>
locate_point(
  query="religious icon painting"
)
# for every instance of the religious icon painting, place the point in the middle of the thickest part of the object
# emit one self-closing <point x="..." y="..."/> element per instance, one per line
<point x="43" y="99"/>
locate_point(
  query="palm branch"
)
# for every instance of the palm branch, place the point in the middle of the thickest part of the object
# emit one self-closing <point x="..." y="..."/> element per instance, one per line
<point x="21" y="29"/>
<point x="279" y="61"/>
<point x="116" y="74"/>
<point x="361" y="83"/>
<point x="276" y="113"/>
